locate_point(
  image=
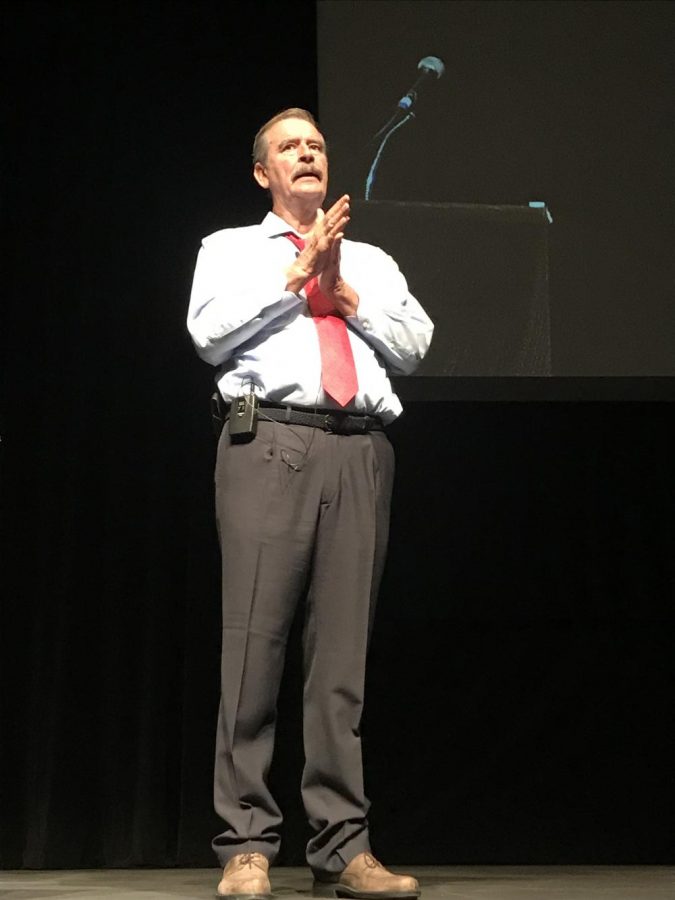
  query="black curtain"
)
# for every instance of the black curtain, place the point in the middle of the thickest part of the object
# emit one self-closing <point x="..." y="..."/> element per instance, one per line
<point x="520" y="668"/>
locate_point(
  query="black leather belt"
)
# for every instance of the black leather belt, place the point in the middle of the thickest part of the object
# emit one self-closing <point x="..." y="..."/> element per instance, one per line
<point x="332" y="421"/>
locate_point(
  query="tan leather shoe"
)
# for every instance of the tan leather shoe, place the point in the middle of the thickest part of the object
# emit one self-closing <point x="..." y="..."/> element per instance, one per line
<point x="367" y="879"/>
<point x="245" y="878"/>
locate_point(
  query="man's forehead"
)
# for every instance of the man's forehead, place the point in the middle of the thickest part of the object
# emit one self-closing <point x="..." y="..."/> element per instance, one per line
<point x="293" y="129"/>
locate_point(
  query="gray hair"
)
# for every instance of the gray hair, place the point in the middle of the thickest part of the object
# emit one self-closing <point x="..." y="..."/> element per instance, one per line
<point x="260" y="141"/>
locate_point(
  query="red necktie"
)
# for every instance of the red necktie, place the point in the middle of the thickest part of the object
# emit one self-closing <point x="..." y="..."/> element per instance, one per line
<point x="338" y="372"/>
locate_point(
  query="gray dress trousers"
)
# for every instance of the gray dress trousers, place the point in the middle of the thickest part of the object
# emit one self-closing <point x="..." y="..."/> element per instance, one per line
<point x="301" y="513"/>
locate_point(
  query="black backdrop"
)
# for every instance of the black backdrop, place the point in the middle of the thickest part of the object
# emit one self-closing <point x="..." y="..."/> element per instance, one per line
<point x="519" y="684"/>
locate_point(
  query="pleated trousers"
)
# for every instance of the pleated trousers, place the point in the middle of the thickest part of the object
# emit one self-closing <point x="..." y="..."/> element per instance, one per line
<point x="302" y="515"/>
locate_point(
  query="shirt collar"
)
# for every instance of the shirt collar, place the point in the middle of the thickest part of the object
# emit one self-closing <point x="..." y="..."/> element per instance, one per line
<point x="274" y="226"/>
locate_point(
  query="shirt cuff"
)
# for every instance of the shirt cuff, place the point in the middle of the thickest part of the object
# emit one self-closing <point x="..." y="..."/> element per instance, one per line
<point x="362" y="320"/>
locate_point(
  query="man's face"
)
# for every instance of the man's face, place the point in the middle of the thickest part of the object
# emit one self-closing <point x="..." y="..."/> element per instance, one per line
<point x="296" y="168"/>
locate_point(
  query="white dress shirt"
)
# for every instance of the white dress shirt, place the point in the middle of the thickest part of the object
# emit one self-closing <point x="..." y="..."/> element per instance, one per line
<point x="243" y="320"/>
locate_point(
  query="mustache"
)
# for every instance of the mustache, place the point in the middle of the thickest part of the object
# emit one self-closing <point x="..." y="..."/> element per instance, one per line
<point x="307" y="170"/>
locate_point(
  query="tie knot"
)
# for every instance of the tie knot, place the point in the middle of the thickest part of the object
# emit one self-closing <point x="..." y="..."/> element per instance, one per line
<point x="294" y="239"/>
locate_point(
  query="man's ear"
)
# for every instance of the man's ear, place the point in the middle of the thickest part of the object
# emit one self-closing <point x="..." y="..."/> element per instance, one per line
<point x="260" y="175"/>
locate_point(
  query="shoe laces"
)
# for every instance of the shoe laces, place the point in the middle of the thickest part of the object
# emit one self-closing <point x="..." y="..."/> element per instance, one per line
<point x="371" y="862"/>
<point x="250" y="860"/>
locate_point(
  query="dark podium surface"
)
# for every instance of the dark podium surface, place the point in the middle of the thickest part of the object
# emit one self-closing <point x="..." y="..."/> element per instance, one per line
<point x="481" y="272"/>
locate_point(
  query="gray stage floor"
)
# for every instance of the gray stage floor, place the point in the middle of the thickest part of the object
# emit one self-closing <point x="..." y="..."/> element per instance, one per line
<point x="453" y="882"/>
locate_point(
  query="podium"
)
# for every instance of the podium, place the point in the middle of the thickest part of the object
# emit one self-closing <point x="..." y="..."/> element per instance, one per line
<point x="480" y="272"/>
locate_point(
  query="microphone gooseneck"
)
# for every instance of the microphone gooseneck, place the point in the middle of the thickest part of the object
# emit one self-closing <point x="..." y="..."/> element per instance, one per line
<point x="429" y="66"/>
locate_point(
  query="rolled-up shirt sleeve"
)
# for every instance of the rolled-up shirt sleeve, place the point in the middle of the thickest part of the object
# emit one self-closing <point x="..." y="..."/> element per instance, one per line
<point x="388" y="316"/>
<point x="233" y="297"/>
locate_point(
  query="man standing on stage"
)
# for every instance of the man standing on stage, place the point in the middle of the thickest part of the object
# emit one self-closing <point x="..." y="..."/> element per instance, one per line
<point x="304" y="327"/>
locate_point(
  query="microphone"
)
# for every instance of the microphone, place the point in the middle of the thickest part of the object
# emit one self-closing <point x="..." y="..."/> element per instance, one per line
<point x="430" y="65"/>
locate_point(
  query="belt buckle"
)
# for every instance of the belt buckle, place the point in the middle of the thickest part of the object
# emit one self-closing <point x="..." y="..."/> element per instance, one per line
<point x="343" y="423"/>
<point x="331" y="423"/>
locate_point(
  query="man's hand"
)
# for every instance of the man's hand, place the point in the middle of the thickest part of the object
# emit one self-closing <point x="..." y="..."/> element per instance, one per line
<point x="333" y="286"/>
<point x="319" y="245"/>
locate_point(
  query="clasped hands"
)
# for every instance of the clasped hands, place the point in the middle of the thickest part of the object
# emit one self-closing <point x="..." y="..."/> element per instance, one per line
<point x="320" y="259"/>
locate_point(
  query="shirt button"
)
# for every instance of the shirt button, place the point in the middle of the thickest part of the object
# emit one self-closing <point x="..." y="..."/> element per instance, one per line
<point x="366" y="324"/>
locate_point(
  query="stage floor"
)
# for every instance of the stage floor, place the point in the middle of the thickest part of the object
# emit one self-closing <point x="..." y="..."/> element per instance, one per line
<point x="453" y="882"/>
